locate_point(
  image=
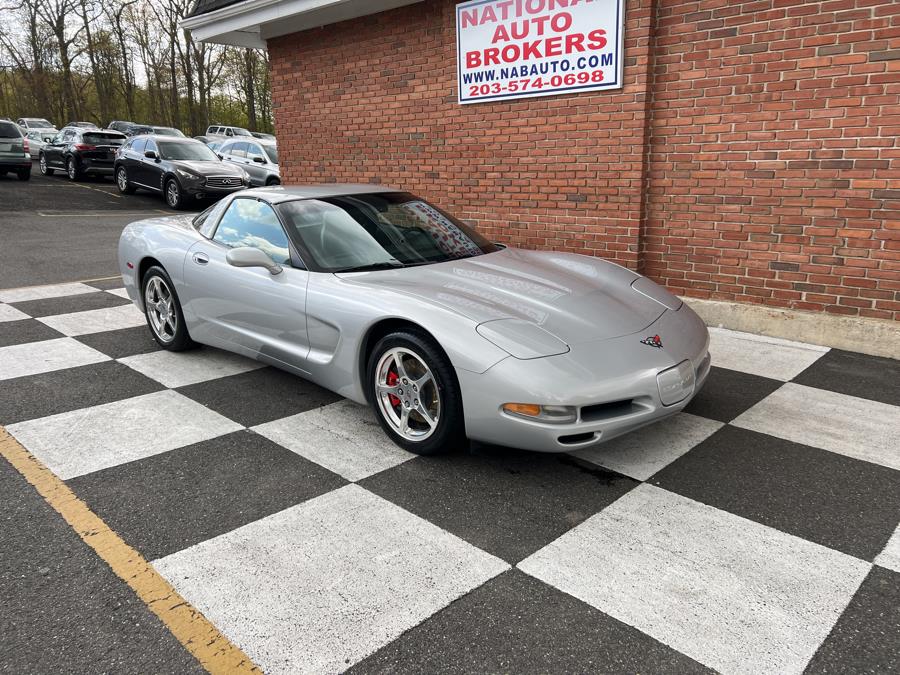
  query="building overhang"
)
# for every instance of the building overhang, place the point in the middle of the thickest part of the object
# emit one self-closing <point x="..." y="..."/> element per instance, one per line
<point x="251" y="23"/>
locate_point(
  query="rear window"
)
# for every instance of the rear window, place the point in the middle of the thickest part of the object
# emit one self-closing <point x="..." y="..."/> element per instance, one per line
<point x="95" y="138"/>
<point x="9" y="130"/>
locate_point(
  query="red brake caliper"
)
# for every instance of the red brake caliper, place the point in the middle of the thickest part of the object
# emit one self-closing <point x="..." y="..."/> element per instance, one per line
<point x="391" y="382"/>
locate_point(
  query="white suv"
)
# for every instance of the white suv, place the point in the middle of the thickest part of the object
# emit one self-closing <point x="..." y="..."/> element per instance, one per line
<point x="227" y="131"/>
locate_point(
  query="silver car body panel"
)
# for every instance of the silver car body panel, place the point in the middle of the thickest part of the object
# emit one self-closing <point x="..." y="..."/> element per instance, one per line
<point x="518" y="326"/>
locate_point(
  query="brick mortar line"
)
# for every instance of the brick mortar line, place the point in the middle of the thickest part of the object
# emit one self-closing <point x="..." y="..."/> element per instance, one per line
<point x="215" y="652"/>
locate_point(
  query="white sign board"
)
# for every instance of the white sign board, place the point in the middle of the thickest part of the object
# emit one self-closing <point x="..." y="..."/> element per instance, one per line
<point x="510" y="49"/>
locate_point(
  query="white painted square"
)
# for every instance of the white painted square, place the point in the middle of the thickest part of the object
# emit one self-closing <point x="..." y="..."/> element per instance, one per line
<point x="178" y="369"/>
<point x="737" y="596"/>
<point x="8" y="313"/>
<point x="761" y="355"/>
<point x="344" y="437"/>
<point x="321" y="585"/>
<point x="890" y="556"/>
<point x="120" y="292"/>
<point x="856" y="427"/>
<point x="642" y="453"/>
<point x="86" y="440"/>
<point x="96" y="320"/>
<point x="32" y="358"/>
<point x="44" y="292"/>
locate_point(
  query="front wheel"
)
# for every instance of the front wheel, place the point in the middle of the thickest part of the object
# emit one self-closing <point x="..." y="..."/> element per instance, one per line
<point x="42" y="162"/>
<point x="163" y="311"/>
<point x="415" y="394"/>
<point x="175" y="198"/>
<point x="273" y="181"/>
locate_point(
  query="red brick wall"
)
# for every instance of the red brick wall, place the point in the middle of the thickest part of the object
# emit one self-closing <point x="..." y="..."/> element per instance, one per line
<point x="752" y="154"/>
<point x="774" y="174"/>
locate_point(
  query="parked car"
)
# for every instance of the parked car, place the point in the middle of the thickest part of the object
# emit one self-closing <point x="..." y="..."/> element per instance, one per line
<point x="38" y="138"/>
<point x="122" y="126"/>
<point x="379" y="296"/>
<point x="181" y="169"/>
<point x="83" y="125"/>
<point x="81" y="151"/>
<point x="257" y="158"/>
<point x="144" y="129"/>
<point x="216" y="130"/>
<point x="263" y="137"/>
<point x="35" y="123"/>
<point x="14" y="151"/>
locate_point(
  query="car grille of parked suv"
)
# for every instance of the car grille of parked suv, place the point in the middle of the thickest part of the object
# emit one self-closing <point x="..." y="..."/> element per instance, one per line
<point x="223" y="181"/>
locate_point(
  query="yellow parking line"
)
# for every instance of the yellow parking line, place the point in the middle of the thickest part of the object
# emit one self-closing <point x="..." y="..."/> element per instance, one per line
<point x="215" y="652"/>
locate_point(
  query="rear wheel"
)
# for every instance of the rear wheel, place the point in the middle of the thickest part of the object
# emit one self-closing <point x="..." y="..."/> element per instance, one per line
<point x="72" y="169"/>
<point x="125" y="187"/>
<point x="42" y="162"/>
<point x="414" y="392"/>
<point x="163" y="311"/>
<point x="24" y="174"/>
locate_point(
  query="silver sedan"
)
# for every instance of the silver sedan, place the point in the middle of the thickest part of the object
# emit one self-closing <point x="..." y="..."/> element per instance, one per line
<point x="387" y="300"/>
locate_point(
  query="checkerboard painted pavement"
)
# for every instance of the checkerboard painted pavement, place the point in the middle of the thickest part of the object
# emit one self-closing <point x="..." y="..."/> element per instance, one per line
<point x="755" y="532"/>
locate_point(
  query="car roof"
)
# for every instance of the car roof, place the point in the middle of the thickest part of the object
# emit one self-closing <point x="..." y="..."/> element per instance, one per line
<point x="280" y="193"/>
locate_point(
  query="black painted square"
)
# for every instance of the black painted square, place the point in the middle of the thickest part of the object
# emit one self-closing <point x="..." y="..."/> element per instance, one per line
<point x="118" y="344"/>
<point x="837" y="501"/>
<point x="71" y="303"/>
<point x="728" y="393"/>
<point x="871" y="377"/>
<point x="25" y="330"/>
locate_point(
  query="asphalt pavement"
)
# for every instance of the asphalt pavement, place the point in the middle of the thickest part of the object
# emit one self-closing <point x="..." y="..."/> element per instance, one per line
<point x="55" y="230"/>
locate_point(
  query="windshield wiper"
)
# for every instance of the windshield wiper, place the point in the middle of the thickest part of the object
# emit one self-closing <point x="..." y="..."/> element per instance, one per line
<point x="371" y="267"/>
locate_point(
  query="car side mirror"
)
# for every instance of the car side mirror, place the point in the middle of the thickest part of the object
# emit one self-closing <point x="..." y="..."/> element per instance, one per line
<point x="247" y="256"/>
<point x="149" y="154"/>
<point x="220" y="156"/>
<point x="259" y="160"/>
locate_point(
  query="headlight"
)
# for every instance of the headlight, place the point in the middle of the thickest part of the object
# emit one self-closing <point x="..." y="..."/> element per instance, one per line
<point x="554" y="414"/>
<point x="187" y="175"/>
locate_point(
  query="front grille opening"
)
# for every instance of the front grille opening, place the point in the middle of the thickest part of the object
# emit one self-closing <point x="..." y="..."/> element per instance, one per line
<point x="607" y="411"/>
<point x="574" y="439"/>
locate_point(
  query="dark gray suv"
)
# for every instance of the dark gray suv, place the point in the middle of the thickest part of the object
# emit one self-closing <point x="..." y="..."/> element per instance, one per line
<point x="14" y="151"/>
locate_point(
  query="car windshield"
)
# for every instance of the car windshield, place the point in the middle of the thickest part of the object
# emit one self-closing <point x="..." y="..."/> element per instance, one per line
<point x="241" y="132"/>
<point x="38" y="123"/>
<point x="188" y="150"/>
<point x="272" y="153"/>
<point x="102" y="138"/>
<point x="167" y="131"/>
<point x="379" y="231"/>
<point x="9" y="130"/>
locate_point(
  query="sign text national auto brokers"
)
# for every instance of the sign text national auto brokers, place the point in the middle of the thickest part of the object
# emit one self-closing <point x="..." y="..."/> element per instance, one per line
<point x="517" y="48"/>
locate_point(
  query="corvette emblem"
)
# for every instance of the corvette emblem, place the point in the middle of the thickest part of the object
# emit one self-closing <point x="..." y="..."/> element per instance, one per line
<point x="653" y="341"/>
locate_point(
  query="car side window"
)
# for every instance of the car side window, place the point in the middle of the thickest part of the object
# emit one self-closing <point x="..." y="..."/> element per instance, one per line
<point x="68" y="135"/>
<point x="151" y="145"/>
<point x="229" y="132"/>
<point x="138" y="145"/>
<point x="249" y="222"/>
<point x="238" y="150"/>
<point x="254" y="151"/>
<point x="206" y="221"/>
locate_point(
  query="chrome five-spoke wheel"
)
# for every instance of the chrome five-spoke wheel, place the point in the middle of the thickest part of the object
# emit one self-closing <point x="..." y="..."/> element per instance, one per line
<point x="161" y="311"/>
<point x="407" y="394"/>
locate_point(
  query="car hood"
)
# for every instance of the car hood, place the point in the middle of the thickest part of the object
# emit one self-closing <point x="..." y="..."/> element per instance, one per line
<point x="209" y="168"/>
<point x="576" y="298"/>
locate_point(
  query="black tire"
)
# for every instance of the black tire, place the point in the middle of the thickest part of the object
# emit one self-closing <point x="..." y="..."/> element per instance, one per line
<point x="72" y="170"/>
<point x="125" y="186"/>
<point x="173" y="194"/>
<point x="24" y="174"/>
<point x="449" y="432"/>
<point x="273" y="181"/>
<point x="42" y="163"/>
<point x="180" y="340"/>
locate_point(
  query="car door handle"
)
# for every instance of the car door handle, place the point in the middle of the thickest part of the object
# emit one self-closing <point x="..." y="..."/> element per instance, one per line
<point x="200" y="258"/>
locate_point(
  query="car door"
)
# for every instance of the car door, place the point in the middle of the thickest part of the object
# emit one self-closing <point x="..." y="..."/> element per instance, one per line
<point x="248" y="309"/>
<point x="53" y="150"/>
<point x="255" y="164"/>
<point x="150" y="170"/>
<point x="132" y="158"/>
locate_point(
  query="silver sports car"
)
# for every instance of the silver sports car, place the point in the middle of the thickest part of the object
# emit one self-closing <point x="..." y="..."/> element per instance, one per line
<point x="387" y="300"/>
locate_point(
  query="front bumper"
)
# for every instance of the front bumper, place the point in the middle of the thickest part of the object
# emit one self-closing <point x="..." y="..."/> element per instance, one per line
<point x="211" y="192"/>
<point x="617" y="386"/>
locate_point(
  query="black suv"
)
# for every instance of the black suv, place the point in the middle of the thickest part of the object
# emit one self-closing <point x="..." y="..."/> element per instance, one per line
<point x="80" y="152"/>
<point x="180" y="168"/>
<point x="14" y="154"/>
